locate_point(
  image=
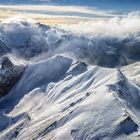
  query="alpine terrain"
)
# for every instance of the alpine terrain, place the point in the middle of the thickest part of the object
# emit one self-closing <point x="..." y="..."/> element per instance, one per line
<point x="57" y="84"/>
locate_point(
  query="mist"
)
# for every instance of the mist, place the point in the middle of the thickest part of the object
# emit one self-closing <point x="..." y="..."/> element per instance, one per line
<point x="106" y="42"/>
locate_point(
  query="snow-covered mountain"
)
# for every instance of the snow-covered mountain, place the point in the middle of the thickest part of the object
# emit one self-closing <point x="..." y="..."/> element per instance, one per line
<point x="66" y="86"/>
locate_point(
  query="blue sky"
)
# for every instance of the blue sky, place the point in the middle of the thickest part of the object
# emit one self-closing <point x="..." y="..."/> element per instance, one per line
<point x="74" y="9"/>
<point x="105" y="4"/>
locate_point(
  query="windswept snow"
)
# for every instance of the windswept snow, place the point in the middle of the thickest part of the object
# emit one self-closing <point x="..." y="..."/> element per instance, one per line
<point x="66" y="100"/>
<point x="68" y="86"/>
<point x="33" y="41"/>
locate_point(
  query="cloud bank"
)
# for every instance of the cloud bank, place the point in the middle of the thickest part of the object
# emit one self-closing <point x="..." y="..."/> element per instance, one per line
<point x="114" y="26"/>
<point x="111" y="42"/>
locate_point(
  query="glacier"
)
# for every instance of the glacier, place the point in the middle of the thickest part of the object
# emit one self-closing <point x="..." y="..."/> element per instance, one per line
<point x="67" y="86"/>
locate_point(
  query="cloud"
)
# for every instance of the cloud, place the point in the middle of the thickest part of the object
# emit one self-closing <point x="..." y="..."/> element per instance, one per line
<point x="46" y="19"/>
<point x="71" y="11"/>
<point x="114" y="26"/>
<point x="54" y="14"/>
<point x="23" y="36"/>
<point x="109" y="42"/>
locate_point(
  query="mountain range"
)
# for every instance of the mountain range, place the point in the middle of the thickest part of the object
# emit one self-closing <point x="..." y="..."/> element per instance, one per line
<point x="59" y="85"/>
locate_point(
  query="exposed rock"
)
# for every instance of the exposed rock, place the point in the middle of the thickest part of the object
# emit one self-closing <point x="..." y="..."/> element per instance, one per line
<point x="3" y="48"/>
<point x="9" y="74"/>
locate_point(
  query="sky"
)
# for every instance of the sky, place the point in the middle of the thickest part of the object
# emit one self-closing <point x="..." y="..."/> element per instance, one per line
<point x="67" y="11"/>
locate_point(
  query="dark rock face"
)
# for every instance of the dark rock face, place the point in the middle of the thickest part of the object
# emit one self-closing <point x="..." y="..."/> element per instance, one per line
<point x="6" y="63"/>
<point x="3" y="48"/>
<point x="9" y="75"/>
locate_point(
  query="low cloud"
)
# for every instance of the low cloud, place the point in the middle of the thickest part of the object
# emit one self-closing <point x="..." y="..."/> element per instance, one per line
<point x="111" y="42"/>
<point x="117" y="26"/>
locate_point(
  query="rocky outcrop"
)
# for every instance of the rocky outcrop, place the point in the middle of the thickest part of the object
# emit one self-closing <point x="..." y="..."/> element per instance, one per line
<point x="9" y="74"/>
<point x="3" y="48"/>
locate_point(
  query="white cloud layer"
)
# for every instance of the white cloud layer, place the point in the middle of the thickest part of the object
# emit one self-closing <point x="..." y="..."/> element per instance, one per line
<point x="114" y="26"/>
<point x="112" y="42"/>
<point x="79" y="11"/>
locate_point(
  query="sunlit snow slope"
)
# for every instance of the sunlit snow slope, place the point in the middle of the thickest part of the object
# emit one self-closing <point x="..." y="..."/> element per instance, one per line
<point x="68" y="86"/>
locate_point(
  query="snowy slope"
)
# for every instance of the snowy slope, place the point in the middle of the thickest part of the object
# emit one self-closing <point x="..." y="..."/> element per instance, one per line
<point x="87" y="102"/>
<point x="67" y="86"/>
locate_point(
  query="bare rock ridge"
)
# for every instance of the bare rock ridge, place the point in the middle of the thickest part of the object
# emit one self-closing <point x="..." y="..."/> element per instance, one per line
<point x="3" y="48"/>
<point x="9" y="74"/>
